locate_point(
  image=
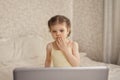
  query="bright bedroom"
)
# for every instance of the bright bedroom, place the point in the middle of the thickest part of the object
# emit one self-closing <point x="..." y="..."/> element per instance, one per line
<point x="24" y="32"/>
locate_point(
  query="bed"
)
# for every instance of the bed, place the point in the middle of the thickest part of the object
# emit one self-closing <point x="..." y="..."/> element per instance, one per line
<point x="6" y="68"/>
<point x="30" y="51"/>
<point x="114" y="70"/>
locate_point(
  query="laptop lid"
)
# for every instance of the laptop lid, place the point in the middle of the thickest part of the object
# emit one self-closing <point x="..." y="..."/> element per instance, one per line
<point x="66" y="73"/>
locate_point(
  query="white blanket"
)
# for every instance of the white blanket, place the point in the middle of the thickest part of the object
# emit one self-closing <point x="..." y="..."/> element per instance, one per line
<point x="6" y="68"/>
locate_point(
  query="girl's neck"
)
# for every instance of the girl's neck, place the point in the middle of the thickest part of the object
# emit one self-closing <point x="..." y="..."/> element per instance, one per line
<point x="66" y="40"/>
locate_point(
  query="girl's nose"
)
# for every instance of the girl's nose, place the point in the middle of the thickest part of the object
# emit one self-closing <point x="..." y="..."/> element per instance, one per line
<point x="58" y="33"/>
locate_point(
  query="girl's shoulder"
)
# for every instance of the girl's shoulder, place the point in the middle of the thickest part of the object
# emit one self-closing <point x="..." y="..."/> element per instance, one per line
<point x="49" y="46"/>
<point x="73" y="43"/>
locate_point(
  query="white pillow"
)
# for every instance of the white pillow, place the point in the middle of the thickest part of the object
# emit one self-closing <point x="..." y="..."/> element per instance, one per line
<point x="82" y="54"/>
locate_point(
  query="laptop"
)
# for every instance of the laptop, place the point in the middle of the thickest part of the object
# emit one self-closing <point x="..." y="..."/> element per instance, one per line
<point x="63" y="73"/>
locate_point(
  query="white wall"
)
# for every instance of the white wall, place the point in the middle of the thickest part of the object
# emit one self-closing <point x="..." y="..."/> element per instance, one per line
<point x="23" y="27"/>
<point x="24" y="32"/>
<point x="88" y="27"/>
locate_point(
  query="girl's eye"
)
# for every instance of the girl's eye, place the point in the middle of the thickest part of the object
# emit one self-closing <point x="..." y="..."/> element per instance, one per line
<point x="61" y="30"/>
<point x="53" y="31"/>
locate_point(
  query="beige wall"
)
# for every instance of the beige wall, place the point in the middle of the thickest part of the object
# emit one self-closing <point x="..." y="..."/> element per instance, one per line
<point x="88" y="26"/>
<point x="24" y="33"/>
<point x="23" y="26"/>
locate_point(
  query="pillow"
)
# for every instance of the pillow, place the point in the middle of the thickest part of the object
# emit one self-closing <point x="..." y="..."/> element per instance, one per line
<point x="82" y="54"/>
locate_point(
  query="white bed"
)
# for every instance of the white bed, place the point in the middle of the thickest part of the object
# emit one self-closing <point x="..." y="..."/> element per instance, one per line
<point x="6" y="68"/>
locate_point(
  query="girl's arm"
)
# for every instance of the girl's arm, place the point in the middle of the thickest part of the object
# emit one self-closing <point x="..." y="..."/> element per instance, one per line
<point x="74" y="58"/>
<point x="71" y="55"/>
<point x="48" y="56"/>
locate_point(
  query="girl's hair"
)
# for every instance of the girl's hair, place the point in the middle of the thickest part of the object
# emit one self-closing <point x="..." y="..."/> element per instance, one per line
<point x="59" y="19"/>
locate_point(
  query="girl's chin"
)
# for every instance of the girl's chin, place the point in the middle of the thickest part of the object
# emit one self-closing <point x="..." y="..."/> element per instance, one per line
<point x="59" y="37"/>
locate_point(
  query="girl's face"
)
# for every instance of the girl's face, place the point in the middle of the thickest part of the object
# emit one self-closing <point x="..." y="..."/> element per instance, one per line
<point x="59" y="30"/>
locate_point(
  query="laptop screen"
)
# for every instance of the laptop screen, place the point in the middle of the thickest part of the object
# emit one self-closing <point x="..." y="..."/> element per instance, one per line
<point x="64" y="73"/>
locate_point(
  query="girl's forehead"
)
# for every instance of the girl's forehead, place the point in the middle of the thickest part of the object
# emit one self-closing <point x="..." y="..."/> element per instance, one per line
<point x="59" y="26"/>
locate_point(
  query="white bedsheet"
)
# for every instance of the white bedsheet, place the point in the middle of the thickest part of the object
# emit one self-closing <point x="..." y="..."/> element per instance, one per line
<point x="6" y="68"/>
<point x="114" y="70"/>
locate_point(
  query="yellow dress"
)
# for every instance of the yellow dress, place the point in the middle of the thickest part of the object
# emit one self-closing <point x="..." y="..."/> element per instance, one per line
<point x="59" y="59"/>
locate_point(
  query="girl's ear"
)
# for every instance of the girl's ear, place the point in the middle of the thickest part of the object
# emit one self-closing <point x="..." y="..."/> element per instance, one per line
<point x="68" y="31"/>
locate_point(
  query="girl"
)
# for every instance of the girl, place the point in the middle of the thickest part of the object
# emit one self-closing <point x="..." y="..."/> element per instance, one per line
<point x="62" y="51"/>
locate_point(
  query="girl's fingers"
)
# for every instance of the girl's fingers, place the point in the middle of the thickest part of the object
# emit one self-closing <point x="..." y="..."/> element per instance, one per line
<point x="57" y="43"/>
<point x="61" y="40"/>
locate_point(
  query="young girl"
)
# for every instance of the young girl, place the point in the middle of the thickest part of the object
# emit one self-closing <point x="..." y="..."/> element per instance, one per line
<point x="62" y="51"/>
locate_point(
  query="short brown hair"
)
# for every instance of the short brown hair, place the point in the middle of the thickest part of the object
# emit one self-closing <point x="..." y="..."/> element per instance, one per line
<point x="59" y="19"/>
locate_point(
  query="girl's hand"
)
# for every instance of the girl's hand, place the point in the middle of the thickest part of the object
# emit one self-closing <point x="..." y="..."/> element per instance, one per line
<point x="62" y="45"/>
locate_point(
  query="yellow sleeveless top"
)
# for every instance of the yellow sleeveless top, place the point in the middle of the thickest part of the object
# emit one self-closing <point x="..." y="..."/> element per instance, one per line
<point x="59" y="59"/>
